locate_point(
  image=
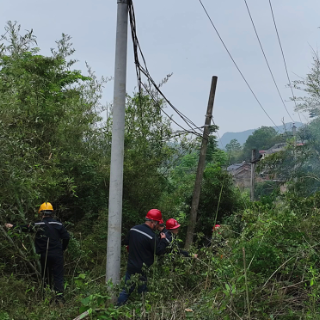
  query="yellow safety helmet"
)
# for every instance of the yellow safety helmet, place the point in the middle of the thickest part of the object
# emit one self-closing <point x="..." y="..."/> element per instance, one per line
<point x="46" y="206"/>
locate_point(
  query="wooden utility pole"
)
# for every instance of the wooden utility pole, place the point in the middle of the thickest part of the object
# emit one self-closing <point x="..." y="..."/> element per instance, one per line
<point x="253" y="167"/>
<point x="201" y="165"/>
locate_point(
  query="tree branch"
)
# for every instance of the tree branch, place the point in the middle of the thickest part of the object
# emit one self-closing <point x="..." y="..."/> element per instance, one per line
<point x="19" y="250"/>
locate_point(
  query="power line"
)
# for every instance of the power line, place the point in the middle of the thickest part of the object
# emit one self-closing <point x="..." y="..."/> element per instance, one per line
<point x="283" y="56"/>
<point x="242" y="75"/>
<point x="150" y="93"/>
<point x="190" y="123"/>
<point x="267" y="62"/>
<point x="144" y="70"/>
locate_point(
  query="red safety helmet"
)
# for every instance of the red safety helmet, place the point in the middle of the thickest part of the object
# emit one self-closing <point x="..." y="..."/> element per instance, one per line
<point x="217" y="226"/>
<point x="154" y="214"/>
<point x="172" y="224"/>
<point x="161" y="223"/>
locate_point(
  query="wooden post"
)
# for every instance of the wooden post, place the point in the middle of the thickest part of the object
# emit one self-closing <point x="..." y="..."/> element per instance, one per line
<point x="201" y="165"/>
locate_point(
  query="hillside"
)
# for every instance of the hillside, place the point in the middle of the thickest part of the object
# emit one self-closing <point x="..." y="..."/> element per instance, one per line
<point x="243" y="136"/>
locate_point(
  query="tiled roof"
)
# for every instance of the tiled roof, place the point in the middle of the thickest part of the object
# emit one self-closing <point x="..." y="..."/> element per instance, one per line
<point x="235" y="166"/>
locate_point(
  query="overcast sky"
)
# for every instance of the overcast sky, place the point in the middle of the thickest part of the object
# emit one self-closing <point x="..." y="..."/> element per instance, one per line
<point x="176" y="37"/>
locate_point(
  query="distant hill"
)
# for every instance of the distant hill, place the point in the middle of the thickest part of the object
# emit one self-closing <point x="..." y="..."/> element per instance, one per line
<point x="243" y="136"/>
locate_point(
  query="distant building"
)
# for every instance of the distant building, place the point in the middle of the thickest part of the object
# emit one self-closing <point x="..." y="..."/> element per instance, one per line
<point x="234" y="167"/>
<point x="241" y="174"/>
<point x="267" y="173"/>
<point x="277" y="148"/>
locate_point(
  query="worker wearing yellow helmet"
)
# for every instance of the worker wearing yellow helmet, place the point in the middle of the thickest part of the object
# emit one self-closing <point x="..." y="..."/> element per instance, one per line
<point x="51" y="239"/>
<point x="46" y="206"/>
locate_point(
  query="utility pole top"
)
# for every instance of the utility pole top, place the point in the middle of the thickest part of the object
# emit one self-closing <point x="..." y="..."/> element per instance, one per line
<point x="294" y="129"/>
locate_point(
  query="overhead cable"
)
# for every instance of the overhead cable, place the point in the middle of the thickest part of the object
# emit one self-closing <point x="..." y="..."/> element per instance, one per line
<point x="234" y="62"/>
<point x="267" y="62"/>
<point x="283" y="56"/>
<point x="144" y="70"/>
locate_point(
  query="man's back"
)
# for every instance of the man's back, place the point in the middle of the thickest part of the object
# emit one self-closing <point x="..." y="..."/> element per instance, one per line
<point x="49" y="233"/>
<point x="143" y="246"/>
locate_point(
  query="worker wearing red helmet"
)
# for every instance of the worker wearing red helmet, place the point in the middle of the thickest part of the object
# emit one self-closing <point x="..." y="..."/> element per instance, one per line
<point x="215" y="231"/>
<point x="143" y="244"/>
<point x="172" y="227"/>
<point x="51" y="239"/>
<point x="217" y="240"/>
<point x="216" y="227"/>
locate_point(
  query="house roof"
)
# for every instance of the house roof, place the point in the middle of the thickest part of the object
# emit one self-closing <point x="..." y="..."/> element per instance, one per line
<point x="277" y="147"/>
<point x="242" y="171"/>
<point x="235" y="166"/>
<point x="280" y="146"/>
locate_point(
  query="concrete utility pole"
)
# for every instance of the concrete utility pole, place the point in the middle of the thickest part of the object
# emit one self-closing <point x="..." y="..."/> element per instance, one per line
<point x="201" y="165"/>
<point x="117" y="148"/>
<point x="253" y="169"/>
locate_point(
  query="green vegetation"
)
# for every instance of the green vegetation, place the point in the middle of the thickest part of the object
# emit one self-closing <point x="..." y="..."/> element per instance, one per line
<point x="263" y="264"/>
<point x="261" y="139"/>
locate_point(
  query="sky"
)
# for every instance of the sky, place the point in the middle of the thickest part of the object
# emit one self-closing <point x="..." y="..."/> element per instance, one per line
<point x="177" y="37"/>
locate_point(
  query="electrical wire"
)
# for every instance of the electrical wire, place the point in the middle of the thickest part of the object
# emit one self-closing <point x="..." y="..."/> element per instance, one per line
<point x="283" y="56"/>
<point x="150" y="93"/>
<point x="267" y="62"/>
<point x="144" y="70"/>
<point x="234" y="62"/>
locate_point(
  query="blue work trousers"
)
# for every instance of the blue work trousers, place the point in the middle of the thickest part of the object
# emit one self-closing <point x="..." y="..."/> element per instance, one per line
<point x="124" y="294"/>
<point x="52" y="266"/>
